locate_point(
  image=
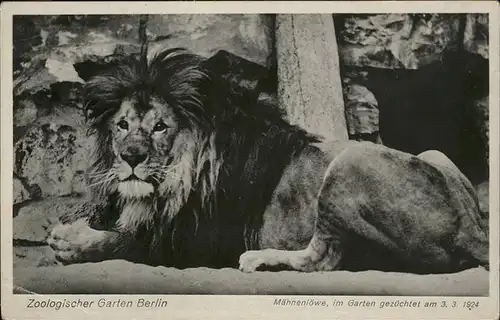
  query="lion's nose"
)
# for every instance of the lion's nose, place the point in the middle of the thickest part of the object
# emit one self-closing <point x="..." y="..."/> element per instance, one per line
<point x="133" y="157"/>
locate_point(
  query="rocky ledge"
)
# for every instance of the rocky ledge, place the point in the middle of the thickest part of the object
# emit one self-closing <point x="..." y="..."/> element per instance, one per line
<point x="121" y="277"/>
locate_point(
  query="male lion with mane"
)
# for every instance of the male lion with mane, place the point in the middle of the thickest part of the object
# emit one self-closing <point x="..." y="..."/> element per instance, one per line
<point x="193" y="173"/>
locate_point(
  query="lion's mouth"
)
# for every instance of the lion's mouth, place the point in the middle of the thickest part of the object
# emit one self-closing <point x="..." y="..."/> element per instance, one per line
<point x="148" y="179"/>
<point x="135" y="188"/>
<point x="132" y="177"/>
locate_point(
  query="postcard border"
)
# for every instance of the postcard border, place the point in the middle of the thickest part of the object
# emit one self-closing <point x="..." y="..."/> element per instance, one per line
<point x="216" y="307"/>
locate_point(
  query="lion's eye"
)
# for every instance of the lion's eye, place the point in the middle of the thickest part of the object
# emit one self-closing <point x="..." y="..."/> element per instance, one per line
<point x="122" y="124"/>
<point x="160" y="126"/>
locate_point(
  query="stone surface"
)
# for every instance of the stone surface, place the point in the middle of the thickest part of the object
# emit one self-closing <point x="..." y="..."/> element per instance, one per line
<point x="53" y="153"/>
<point x="309" y="85"/>
<point x="121" y="277"/>
<point x="396" y="40"/>
<point x="483" y="194"/>
<point x="35" y="227"/>
<point x="476" y="34"/>
<point x="247" y="35"/>
<point x="36" y="256"/>
<point x="64" y="43"/>
<point x="25" y="113"/>
<point x="20" y="192"/>
<point x="35" y="220"/>
<point x="482" y="111"/>
<point x="362" y="112"/>
<point x="61" y="42"/>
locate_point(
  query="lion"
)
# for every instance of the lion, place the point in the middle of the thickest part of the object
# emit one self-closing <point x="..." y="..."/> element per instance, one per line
<point x="195" y="174"/>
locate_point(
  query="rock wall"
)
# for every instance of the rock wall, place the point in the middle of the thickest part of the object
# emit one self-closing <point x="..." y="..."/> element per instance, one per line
<point x="412" y="82"/>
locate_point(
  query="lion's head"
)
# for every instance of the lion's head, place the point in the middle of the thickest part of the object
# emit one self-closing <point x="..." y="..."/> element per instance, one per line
<point x="155" y="142"/>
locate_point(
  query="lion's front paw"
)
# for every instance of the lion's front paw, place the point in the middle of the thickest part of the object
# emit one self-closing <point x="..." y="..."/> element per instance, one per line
<point x="76" y="242"/>
<point x="250" y="261"/>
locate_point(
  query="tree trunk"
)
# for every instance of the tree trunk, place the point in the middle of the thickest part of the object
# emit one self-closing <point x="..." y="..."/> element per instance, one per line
<point x="309" y="84"/>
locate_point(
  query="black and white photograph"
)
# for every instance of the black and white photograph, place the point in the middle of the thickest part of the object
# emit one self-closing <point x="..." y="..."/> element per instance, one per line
<point x="300" y="157"/>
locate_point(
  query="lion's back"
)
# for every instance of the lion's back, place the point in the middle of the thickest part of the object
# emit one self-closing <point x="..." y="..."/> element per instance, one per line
<point x="385" y="175"/>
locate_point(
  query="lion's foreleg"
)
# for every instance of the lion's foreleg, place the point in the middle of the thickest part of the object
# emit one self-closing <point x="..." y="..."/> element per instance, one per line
<point x="320" y="255"/>
<point x="324" y="252"/>
<point x="79" y="243"/>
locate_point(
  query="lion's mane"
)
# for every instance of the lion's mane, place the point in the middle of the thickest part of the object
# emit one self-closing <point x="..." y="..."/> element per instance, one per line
<point x="243" y="144"/>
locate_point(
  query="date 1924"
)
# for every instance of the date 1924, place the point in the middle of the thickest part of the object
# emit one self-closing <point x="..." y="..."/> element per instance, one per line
<point x="466" y="304"/>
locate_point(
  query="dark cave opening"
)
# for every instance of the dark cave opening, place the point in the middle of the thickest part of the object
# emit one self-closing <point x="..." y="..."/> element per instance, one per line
<point x="435" y="107"/>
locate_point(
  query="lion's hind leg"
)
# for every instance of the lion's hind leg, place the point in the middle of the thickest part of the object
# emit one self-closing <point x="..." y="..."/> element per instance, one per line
<point x="471" y="243"/>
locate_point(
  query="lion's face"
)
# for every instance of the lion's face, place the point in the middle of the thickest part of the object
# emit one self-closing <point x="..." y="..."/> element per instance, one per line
<point x="148" y="147"/>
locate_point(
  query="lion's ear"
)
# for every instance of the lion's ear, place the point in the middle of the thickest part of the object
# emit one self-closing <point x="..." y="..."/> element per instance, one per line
<point x="95" y="114"/>
<point x="89" y="114"/>
<point x="90" y="110"/>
